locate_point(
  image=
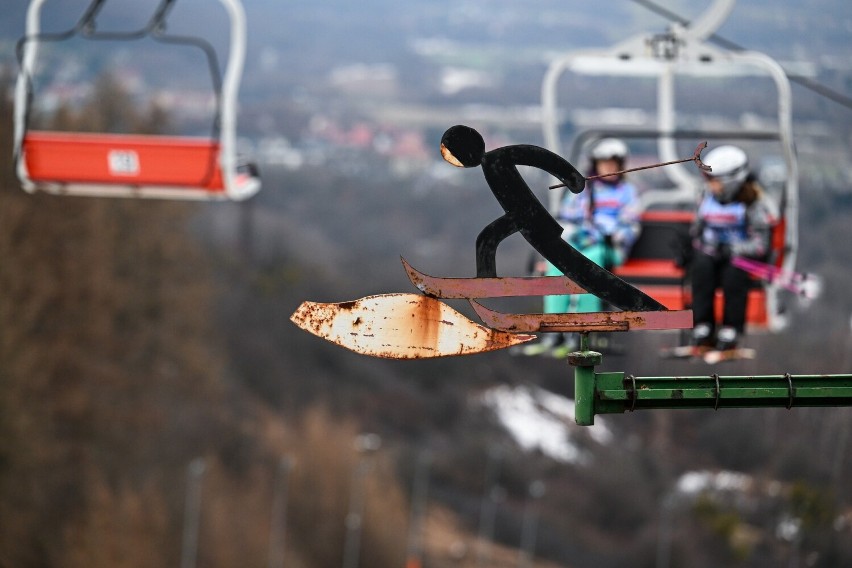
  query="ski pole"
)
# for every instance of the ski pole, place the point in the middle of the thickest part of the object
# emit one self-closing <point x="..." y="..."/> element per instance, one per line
<point x="804" y="284"/>
<point x="696" y="157"/>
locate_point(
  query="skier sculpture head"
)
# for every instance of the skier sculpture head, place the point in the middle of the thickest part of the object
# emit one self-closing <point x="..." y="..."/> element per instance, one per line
<point x="462" y="146"/>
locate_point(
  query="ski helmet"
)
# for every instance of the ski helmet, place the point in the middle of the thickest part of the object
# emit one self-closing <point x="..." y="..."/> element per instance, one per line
<point x="610" y="149"/>
<point x="729" y="165"/>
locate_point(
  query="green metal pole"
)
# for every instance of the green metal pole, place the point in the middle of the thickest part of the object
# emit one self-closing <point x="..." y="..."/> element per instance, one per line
<point x="584" y="362"/>
<point x="615" y="392"/>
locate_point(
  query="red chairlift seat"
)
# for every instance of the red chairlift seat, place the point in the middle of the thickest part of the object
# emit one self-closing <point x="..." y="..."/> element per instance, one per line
<point x="133" y="165"/>
<point x="652" y="265"/>
<point x="124" y="164"/>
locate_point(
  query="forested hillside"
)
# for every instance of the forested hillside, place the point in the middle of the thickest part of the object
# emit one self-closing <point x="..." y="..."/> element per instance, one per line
<point x="114" y="377"/>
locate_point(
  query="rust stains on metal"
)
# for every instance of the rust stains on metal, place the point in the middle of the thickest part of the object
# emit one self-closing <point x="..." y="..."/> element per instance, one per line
<point x="426" y="321"/>
<point x="401" y="326"/>
<point x="498" y="287"/>
<point x="579" y="322"/>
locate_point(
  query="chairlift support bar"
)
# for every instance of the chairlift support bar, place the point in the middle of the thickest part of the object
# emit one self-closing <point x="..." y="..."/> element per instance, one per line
<point x="617" y="392"/>
<point x="221" y="180"/>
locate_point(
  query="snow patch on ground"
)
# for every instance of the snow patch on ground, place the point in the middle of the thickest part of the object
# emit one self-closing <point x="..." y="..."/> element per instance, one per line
<point x="541" y="420"/>
<point x="694" y="482"/>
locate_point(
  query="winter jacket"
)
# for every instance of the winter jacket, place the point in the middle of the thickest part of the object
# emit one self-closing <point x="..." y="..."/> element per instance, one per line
<point x="602" y="213"/>
<point x="740" y="228"/>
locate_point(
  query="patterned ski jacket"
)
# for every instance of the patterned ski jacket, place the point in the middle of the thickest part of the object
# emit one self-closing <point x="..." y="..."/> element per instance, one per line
<point x="746" y="229"/>
<point x="603" y="210"/>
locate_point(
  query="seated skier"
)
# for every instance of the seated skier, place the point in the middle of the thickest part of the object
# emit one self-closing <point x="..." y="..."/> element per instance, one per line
<point x="734" y="218"/>
<point x="602" y="223"/>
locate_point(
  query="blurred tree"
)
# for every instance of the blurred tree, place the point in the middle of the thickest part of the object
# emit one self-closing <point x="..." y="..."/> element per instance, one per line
<point x="113" y="378"/>
<point x="108" y="359"/>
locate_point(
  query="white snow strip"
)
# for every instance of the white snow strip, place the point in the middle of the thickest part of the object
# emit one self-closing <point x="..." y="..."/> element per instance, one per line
<point x="564" y="406"/>
<point x="538" y="419"/>
<point x="693" y="482"/>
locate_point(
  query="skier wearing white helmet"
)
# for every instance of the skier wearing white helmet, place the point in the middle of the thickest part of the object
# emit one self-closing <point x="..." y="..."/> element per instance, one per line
<point x="734" y="218"/>
<point x="602" y="222"/>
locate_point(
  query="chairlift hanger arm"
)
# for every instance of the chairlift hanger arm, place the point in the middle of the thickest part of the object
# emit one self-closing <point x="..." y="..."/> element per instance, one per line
<point x="155" y="28"/>
<point x="818" y="88"/>
<point x="20" y="45"/>
<point x="86" y="26"/>
<point x="88" y="23"/>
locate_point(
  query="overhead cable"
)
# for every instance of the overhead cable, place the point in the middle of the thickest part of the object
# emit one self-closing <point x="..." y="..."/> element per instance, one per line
<point x="818" y="88"/>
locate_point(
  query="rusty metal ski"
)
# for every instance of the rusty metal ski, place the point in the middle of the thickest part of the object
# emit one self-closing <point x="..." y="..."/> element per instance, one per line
<point x="401" y="326"/>
<point x="499" y="287"/>
<point x="580" y="322"/>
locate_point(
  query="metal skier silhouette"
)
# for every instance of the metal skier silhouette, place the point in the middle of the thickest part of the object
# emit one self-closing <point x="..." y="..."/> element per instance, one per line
<point x="462" y="146"/>
<point x="410" y="326"/>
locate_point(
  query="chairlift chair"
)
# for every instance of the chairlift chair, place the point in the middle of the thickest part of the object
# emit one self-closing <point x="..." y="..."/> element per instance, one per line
<point x="134" y="165"/>
<point x="651" y="265"/>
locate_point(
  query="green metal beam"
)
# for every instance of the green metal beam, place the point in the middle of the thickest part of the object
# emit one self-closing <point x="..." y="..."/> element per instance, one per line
<point x="615" y="392"/>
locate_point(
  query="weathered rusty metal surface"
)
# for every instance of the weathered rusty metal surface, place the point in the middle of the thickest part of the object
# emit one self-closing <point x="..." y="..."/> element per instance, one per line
<point x="595" y="321"/>
<point x="401" y="326"/>
<point x="499" y="287"/>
